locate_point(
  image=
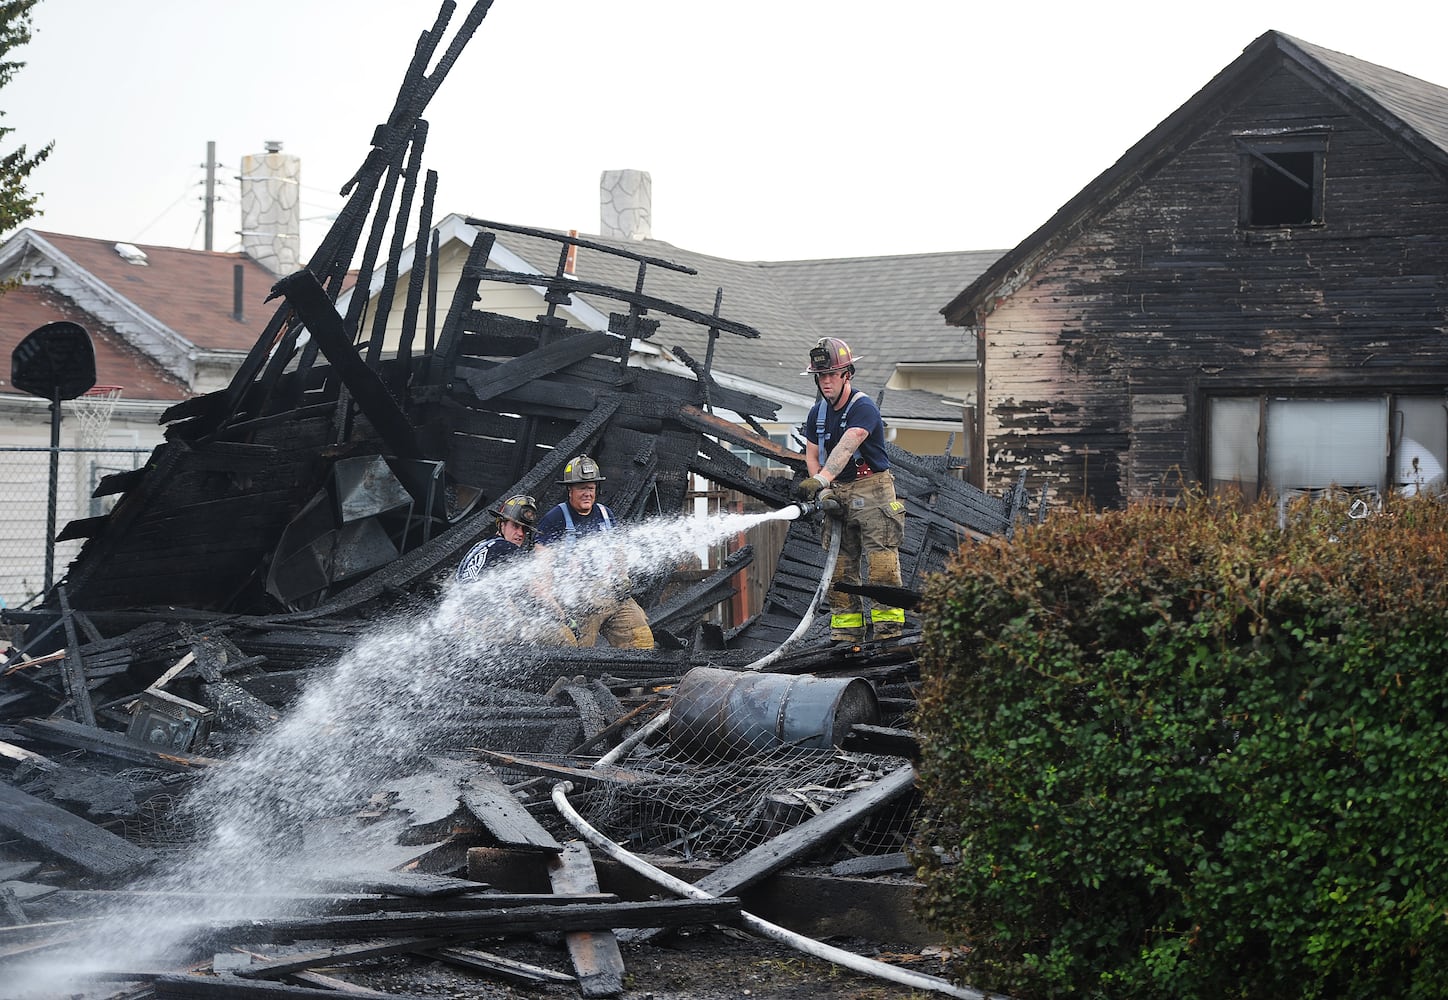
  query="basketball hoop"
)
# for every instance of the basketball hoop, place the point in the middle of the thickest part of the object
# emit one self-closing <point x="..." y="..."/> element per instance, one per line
<point x="93" y="408"/>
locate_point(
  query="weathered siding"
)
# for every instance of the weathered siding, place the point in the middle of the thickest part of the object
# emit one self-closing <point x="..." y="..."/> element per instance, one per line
<point x="1098" y="366"/>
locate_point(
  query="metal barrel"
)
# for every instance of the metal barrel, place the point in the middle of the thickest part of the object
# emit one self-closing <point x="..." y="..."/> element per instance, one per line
<point x="726" y="713"/>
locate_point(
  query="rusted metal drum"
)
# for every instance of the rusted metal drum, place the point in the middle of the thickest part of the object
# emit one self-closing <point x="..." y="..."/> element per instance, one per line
<point x="726" y="713"/>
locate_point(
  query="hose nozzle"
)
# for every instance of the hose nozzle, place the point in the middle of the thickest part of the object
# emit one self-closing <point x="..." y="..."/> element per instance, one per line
<point x="824" y="504"/>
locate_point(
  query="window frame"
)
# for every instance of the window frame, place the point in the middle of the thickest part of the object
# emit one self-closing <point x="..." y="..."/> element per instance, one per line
<point x="1253" y="149"/>
<point x="1263" y="396"/>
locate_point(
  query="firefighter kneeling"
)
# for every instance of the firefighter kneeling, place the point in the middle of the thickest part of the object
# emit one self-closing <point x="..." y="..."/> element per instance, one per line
<point x="612" y="612"/>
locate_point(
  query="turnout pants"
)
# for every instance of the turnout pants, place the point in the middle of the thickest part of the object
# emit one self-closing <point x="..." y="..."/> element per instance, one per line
<point x="622" y="623"/>
<point x="871" y="522"/>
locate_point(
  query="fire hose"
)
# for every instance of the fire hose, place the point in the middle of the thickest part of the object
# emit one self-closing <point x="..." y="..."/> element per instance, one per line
<point x="809" y="946"/>
<point x="782" y="935"/>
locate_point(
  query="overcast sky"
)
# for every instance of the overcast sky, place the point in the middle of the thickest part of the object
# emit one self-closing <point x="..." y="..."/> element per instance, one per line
<point x="773" y="129"/>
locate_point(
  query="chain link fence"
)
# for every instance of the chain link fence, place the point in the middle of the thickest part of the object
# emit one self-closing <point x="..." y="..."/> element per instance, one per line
<point x="25" y="498"/>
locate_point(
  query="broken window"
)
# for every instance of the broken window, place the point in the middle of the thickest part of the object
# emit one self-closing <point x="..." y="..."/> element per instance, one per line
<point x="1373" y="443"/>
<point x="1281" y="180"/>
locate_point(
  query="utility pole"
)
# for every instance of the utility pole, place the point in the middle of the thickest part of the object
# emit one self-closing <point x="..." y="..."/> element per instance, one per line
<point x="209" y="214"/>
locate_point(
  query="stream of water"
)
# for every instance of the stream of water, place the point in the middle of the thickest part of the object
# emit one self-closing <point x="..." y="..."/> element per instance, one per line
<point x="276" y="816"/>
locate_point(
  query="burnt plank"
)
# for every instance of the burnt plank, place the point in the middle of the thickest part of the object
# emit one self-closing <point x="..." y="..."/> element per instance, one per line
<point x="874" y="864"/>
<point x="502" y="815"/>
<point x="882" y="740"/>
<point x="414" y="885"/>
<point x="277" y="967"/>
<point x="65" y="733"/>
<point x="171" y="987"/>
<point x="59" y="832"/>
<point x="596" y="958"/>
<point x="564" y="915"/>
<point x="73" y="668"/>
<point x="310" y="300"/>
<point x="788" y="847"/>
<point x="595" y="775"/>
<point x="518" y="372"/>
<point x="507" y="969"/>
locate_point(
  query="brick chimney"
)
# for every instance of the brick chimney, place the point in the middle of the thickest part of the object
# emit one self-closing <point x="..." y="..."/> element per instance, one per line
<point x="271" y="214"/>
<point x="626" y="204"/>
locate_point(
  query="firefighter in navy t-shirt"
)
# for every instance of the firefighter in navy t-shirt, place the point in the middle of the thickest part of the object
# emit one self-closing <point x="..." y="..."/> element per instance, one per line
<point x="845" y="456"/>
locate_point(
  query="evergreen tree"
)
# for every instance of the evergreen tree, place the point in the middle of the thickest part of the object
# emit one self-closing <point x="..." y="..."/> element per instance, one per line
<point x="16" y="203"/>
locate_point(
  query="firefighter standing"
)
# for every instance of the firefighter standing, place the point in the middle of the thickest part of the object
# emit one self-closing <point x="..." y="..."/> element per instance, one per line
<point x="845" y="455"/>
<point x="613" y="611"/>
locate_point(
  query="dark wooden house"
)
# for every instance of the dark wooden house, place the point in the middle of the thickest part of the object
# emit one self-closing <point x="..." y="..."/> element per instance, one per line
<point x="1254" y="296"/>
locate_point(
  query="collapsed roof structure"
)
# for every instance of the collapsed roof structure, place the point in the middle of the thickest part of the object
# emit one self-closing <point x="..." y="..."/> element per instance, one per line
<point x="340" y="477"/>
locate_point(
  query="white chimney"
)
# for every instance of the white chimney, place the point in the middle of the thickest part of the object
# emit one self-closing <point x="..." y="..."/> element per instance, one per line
<point x="626" y="204"/>
<point x="271" y="210"/>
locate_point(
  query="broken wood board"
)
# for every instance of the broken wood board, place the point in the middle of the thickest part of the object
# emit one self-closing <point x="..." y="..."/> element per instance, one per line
<point x="596" y="958"/>
<point x="275" y="968"/>
<point x="502" y="815"/>
<point x="507" y="969"/>
<point x="172" y="987"/>
<point x="565" y="915"/>
<point x="580" y="776"/>
<point x="63" y="732"/>
<point x="59" y="832"/>
<point x="418" y="885"/>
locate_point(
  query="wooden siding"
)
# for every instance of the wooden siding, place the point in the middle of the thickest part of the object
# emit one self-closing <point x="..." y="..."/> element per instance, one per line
<point x="1098" y="366"/>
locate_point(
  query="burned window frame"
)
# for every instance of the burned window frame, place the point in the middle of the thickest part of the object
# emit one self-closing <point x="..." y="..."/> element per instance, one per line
<point x="1257" y="155"/>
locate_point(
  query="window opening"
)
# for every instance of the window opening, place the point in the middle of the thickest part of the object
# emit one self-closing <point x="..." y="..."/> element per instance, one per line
<point x="1281" y="180"/>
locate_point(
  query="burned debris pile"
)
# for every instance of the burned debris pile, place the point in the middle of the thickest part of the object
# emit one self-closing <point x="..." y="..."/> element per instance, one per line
<point x="216" y="641"/>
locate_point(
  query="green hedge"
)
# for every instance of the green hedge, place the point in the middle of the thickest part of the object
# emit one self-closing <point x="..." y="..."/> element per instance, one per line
<point x="1183" y="752"/>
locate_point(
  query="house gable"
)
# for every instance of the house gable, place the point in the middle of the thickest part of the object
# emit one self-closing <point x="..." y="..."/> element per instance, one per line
<point x="178" y="307"/>
<point x="1109" y="338"/>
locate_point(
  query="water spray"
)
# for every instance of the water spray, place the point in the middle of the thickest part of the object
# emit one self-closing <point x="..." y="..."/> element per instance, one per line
<point x="362" y="722"/>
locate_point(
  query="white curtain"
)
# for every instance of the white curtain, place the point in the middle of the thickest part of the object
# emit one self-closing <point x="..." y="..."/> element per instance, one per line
<point x="1314" y="443"/>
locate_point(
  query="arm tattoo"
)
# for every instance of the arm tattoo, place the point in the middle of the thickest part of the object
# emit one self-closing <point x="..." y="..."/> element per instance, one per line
<point x="842" y="453"/>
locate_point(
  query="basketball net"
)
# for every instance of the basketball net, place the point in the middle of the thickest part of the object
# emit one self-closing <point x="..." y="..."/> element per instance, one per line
<point x="93" y="409"/>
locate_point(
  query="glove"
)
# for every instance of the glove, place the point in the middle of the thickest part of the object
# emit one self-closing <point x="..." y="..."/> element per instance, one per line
<point x="806" y="489"/>
<point x="827" y="501"/>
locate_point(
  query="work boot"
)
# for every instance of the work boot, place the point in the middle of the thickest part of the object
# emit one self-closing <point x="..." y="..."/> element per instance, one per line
<point x="850" y="637"/>
<point x="889" y="630"/>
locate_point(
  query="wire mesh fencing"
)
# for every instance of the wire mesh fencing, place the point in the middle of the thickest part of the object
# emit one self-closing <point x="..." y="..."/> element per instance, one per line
<point x="31" y="507"/>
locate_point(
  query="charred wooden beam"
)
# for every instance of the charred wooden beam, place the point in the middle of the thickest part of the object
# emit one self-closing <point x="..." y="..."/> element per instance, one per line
<point x="63" y="732"/>
<point x="507" y="969"/>
<point x="788" y="847"/>
<point x="310" y="301"/>
<point x="173" y="987"/>
<point x="56" y="831"/>
<point x="503" y="816"/>
<point x="596" y="958"/>
<point x="520" y="371"/>
<point x="277" y="967"/>
<point x="73" y="667"/>
<point x="590" y="776"/>
<point x="564" y="916"/>
<point x="883" y="740"/>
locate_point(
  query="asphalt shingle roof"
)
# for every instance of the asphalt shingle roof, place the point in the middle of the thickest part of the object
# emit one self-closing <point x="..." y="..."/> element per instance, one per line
<point x="28" y="307"/>
<point x="190" y="291"/>
<point x="1418" y="104"/>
